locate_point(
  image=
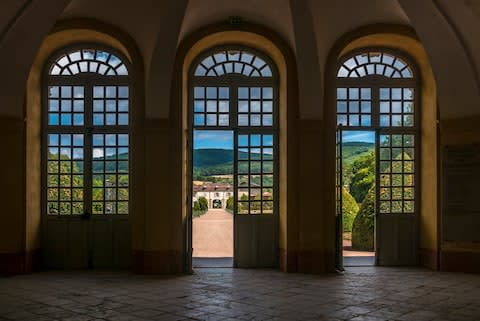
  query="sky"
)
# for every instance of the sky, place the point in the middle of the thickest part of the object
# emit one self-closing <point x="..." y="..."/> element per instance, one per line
<point x="224" y="139"/>
<point x="358" y="136"/>
<point x="212" y="139"/>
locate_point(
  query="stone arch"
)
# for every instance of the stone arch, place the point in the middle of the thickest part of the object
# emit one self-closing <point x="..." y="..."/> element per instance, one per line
<point x="272" y="45"/>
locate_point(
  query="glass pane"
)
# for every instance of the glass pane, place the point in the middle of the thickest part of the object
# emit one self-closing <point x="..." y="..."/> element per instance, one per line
<point x="341" y="93"/>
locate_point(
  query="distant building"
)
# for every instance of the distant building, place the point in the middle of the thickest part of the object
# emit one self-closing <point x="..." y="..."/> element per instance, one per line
<point x="216" y="194"/>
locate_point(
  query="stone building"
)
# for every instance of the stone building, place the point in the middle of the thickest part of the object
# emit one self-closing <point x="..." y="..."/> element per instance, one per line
<point x="216" y="194"/>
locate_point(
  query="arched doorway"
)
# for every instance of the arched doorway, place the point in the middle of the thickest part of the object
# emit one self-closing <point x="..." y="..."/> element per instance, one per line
<point x="233" y="97"/>
<point x="377" y="109"/>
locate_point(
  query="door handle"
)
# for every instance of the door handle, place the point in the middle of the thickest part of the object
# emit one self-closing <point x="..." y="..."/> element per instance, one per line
<point x="85" y="216"/>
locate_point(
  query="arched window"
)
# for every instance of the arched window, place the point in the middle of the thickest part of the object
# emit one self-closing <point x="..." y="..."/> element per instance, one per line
<point x="86" y="133"/>
<point x="233" y="62"/>
<point x="377" y="97"/>
<point x="236" y="89"/>
<point x="374" y="63"/>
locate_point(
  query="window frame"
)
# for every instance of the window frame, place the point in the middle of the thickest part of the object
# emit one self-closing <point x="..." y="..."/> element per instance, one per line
<point x="375" y="82"/>
<point x="234" y="81"/>
<point x="86" y="80"/>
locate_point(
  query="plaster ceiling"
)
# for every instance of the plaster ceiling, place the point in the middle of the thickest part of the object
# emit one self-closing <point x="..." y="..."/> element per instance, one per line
<point x="274" y="14"/>
<point x="333" y="19"/>
<point x="158" y="26"/>
<point x="138" y="18"/>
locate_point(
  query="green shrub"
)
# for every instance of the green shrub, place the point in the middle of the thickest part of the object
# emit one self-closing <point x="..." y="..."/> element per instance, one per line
<point x="363" y="225"/>
<point x="230" y="204"/>
<point x="196" y="206"/>
<point x="197" y="210"/>
<point x="349" y="210"/>
<point x="203" y="203"/>
<point x="363" y="176"/>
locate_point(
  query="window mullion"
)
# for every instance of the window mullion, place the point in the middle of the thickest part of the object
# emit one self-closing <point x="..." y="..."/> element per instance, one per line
<point x="233" y="106"/>
<point x="88" y="150"/>
<point x="375" y="106"/>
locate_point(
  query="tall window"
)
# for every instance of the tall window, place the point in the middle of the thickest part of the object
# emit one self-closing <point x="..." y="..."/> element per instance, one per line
<point x="236" y="89"/>
<point x="86" y="133"/>
<point x="377" y="91"/>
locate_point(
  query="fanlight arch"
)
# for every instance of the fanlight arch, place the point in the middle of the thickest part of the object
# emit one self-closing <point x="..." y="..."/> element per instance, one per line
<point x="374" y="63"/>
<point x="233" y="61"/>
<point x="87" y="60"/>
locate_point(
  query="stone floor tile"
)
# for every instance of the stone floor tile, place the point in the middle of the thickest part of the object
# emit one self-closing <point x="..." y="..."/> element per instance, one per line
<point x="360" y="294"/>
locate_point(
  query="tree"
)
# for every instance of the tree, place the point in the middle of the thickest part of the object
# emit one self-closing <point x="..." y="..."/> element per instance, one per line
<point x="230" y="203"/>
<point x="196" y="206"/>
<point x="349" y="210"/>
<point x="363" y="176"/>
<point x="202" y="201"/>
<point x="243" y="206"/>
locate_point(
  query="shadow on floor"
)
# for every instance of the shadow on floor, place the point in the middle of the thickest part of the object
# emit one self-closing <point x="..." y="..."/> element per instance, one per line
<point x="212" y="262"/>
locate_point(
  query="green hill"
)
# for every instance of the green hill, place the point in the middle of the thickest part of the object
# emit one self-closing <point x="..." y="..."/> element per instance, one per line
<point x="352" y="150"/>
<point x="207" y="162"/>
<point x="209" y="157"/>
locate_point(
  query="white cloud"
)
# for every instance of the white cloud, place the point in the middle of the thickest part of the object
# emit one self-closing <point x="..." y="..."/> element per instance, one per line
<point x="97" y="152"/>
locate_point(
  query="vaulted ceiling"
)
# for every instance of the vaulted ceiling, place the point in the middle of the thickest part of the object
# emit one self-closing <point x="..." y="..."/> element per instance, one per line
<point x="447" y="29"/>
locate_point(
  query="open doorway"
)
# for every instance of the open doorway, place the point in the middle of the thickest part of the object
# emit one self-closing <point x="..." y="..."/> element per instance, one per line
<point x="358" y="197"/>
<point x="233" y="113"/>
<point x="376" y="94"/>
<point x="212" y="198"/>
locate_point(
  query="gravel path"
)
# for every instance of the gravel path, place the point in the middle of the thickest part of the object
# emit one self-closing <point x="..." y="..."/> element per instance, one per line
<point x="213" y="234"/>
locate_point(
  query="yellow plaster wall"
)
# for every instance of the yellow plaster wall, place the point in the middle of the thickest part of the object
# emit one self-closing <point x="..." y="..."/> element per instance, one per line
<point x="316" y="223"/>
<point x="163" y="228"/>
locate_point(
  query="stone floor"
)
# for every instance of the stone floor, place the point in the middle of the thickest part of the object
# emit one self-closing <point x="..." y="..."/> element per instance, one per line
<point x="360" y="294"/>
<point x="208" y="262"/>
<point x="353" y="261"/>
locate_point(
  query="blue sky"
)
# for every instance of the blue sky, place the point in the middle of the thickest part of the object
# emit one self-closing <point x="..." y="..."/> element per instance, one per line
<point x="212" y="139"/>
<point x="358" y="136"/>
<point x="224" y="139"/>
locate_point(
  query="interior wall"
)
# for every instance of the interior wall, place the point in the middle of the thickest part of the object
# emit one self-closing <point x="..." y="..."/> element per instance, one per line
<point x="18" y="45"/>
<point x="460" y="255"/>
<point x="12" y="229"/>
